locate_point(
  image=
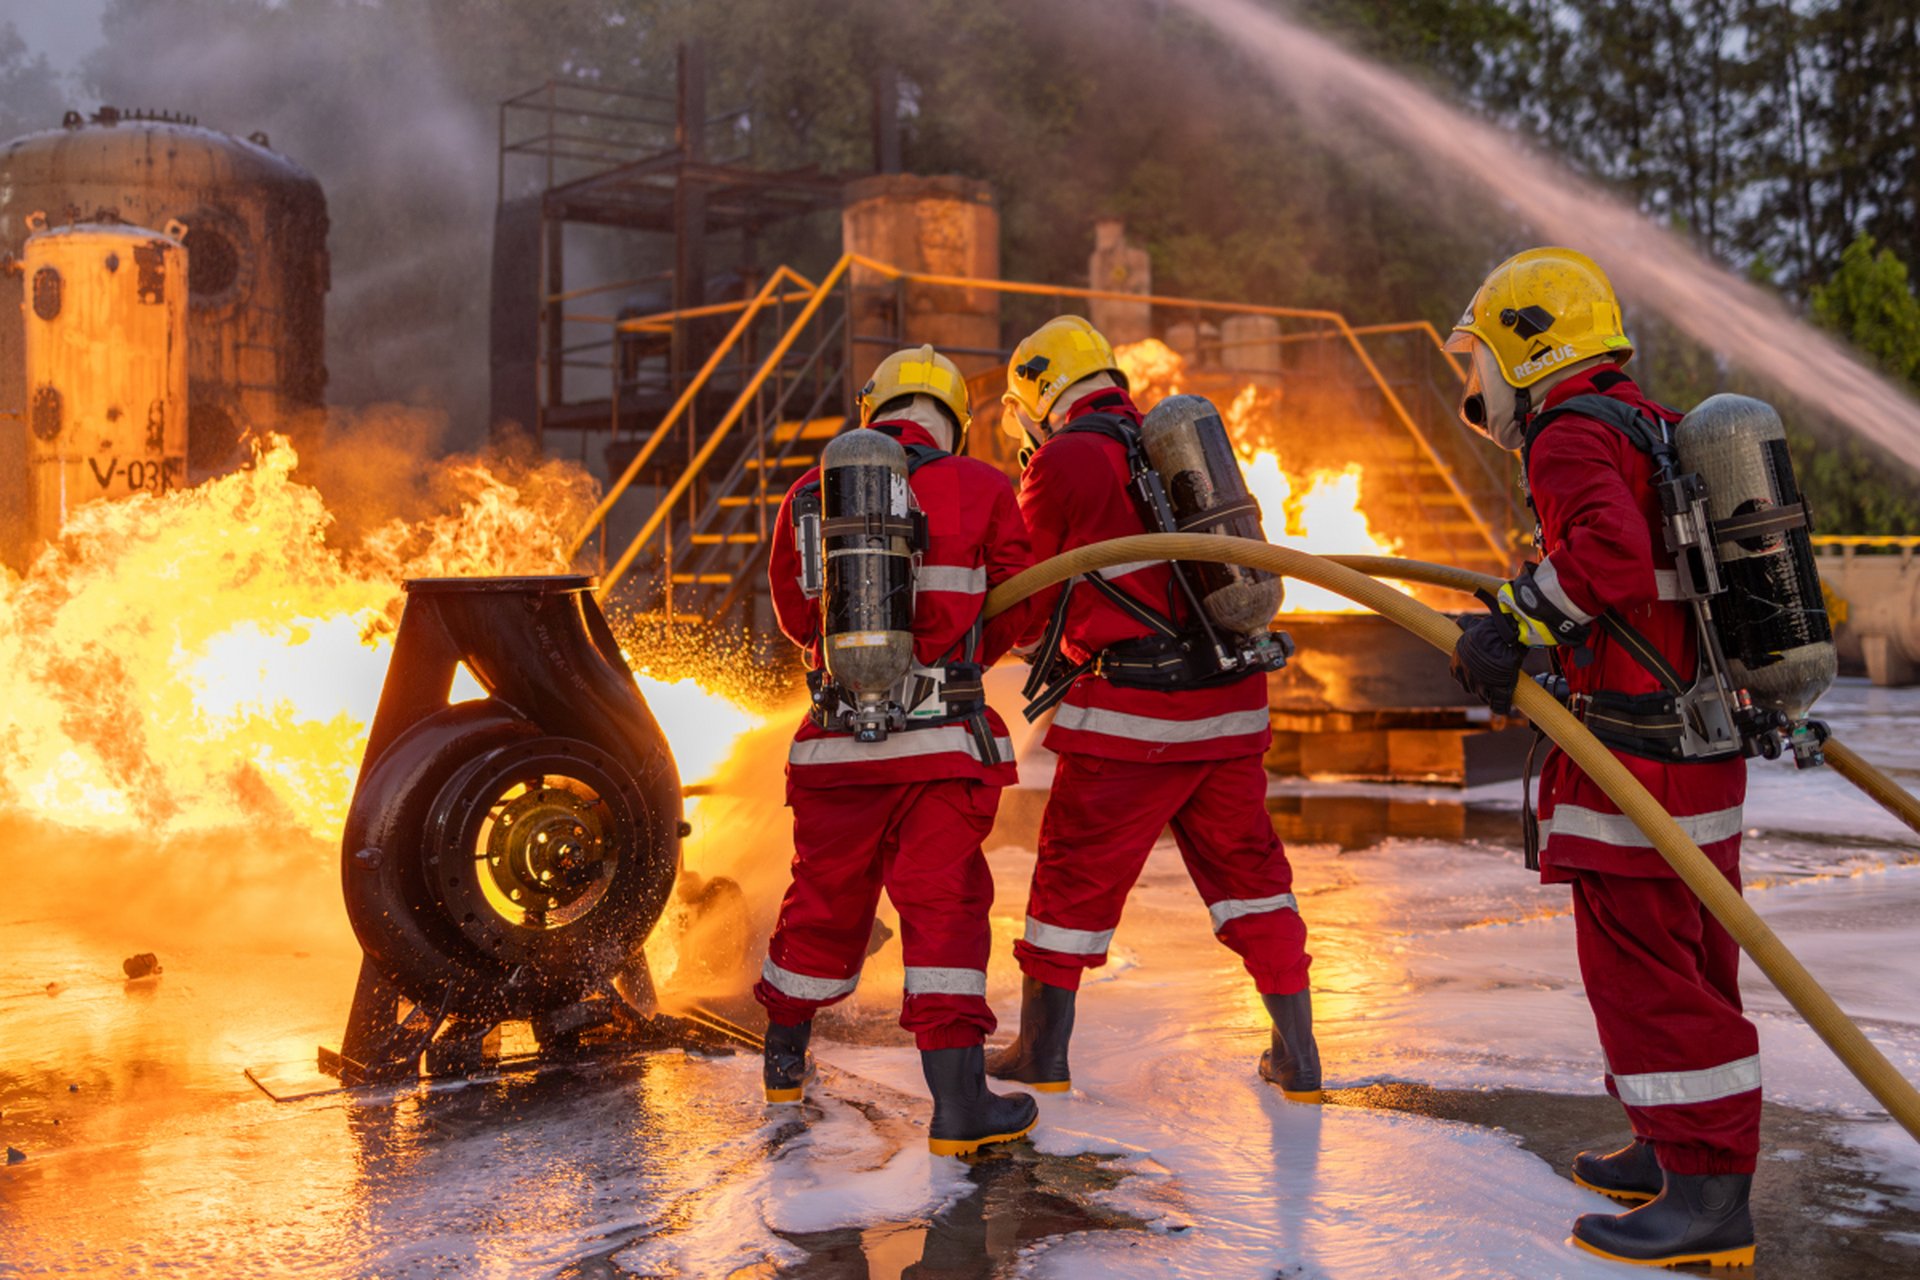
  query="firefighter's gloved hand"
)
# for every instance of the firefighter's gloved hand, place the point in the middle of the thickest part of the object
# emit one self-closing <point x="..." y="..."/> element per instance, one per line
<point x="1487" y="658"/>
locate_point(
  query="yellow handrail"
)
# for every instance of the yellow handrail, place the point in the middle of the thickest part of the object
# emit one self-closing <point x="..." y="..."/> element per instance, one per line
<point x="659" y="435"/>
<point x="1332" y="318"/>
<point x="740" y="403"/>
<point x="1866" y="540"/>
<point x="814" y="295"/>
<point x="657" y="320"/>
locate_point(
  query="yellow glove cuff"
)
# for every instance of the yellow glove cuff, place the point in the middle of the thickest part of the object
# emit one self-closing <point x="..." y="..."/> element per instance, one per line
<point x="1533" y="633"/>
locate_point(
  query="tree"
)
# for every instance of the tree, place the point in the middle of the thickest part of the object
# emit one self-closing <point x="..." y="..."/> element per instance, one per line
<point x="1870" y="302"/>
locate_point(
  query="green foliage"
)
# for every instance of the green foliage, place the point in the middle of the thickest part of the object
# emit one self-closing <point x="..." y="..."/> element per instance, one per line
<point x="1870" y="302"/>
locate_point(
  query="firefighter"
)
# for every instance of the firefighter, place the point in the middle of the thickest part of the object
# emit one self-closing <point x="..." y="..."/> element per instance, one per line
<point x="1660" y="972"/>
<point x="908" y="812"/>
<point x="1137" y="753"/>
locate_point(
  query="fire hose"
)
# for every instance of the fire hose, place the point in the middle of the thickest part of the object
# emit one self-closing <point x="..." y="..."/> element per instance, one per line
<point x="1846" y="762"/>
<point x="1349" y="577"/>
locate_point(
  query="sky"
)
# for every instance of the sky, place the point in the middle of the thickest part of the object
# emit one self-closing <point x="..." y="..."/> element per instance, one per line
<point x="65" y="30"/>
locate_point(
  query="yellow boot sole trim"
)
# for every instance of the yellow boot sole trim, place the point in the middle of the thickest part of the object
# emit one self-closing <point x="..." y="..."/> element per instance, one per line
<point x="1315" y="1096"/>
<point x="785" y="1095"/>
<point x="1720" y="1258"/>
<point x="967" y="1146"/>
<point x="1053" y="1086"/>
<point x="1624" y="1197"/>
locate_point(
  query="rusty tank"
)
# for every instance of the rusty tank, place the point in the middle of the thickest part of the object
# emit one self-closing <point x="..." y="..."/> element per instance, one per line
<point x="106" y="362"/>
<point x="257" y="268"/>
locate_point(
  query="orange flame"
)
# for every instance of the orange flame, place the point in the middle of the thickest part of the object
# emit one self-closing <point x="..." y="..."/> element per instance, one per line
<point x="203" y="659"/>
<point x="1317" y="511"/>
<point x="1153" y="370"/>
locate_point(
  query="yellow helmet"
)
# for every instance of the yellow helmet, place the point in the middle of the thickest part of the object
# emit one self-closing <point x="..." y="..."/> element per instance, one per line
<point x="1052" y="358"/>
<point x="919" y="371"/>
<point x="1542" y="310"/>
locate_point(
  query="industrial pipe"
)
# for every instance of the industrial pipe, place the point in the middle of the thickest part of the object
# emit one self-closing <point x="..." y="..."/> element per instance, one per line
<point x="1858" y="1054"/>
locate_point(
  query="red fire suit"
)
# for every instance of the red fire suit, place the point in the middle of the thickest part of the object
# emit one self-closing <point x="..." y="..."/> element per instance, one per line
<point x="1660" y="971"/>
<point x="910" y="812"/>
<point x="1133" y="761"/>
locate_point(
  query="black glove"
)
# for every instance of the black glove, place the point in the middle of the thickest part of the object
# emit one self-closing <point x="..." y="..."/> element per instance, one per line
<point x="1487" y="658"/>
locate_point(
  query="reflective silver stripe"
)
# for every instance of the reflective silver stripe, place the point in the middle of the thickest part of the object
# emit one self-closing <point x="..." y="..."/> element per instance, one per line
<point x="898" y="746"/>
<point x="866" y="551"/>
<point x="1119" y="724"/>
<point x="1113" y="571"/>
<point x="1547" y="578"/>
<point x="1234" y="908"/>
<point x="1617" y="829"/>
<point x="1667" y="584"/>
<point x="951" y="577"/>
<point x="804" y="987"/>
<point x="1073" y="942"/>
<point x="1671" y="1088"/>
<point x="946" y="982"/>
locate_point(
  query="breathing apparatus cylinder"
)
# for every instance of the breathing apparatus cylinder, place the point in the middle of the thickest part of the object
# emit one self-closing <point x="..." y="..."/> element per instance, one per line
<point x="867" y="527"/>
<point x="1188" y="446"/>
<point x="1771" y="617"/>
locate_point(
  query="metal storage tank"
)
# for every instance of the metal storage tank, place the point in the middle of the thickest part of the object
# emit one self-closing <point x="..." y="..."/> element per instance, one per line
<point x="256" y="245"/>
<point x="943" y="226"/>
<point x="106" y="367"/>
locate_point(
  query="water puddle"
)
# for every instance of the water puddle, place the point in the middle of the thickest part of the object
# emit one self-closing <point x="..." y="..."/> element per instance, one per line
<point x="1019" y="1196"/>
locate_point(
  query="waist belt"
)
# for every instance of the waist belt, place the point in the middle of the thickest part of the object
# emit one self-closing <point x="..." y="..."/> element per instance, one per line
<point x="1171" y="657"/>
<point x="1648" y="725"/>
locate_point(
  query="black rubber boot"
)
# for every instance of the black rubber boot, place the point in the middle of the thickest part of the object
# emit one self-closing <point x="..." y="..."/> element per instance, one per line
<point x="1630" y="1174"/>
<point x="1697" y="1217"/>
<point x="1038" y="1055"/>
<point x="786" y="1066"/>
<point x="966" y="1114"/>
<point x="1293" y="1062"/>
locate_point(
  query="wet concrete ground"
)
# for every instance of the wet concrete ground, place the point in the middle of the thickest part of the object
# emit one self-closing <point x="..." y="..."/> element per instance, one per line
<point x="144" y="1148"/>
<point x="1817" y="1210"/>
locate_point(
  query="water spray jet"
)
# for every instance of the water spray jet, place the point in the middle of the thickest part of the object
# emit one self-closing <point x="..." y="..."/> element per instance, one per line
<point x="1710" y="304"/>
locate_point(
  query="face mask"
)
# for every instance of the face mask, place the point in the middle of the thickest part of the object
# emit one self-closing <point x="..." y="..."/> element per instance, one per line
<point x="1489" y="404"/>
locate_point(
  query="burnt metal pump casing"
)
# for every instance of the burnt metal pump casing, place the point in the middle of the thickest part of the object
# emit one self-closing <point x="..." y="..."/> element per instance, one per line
<point x="505" y="857"/>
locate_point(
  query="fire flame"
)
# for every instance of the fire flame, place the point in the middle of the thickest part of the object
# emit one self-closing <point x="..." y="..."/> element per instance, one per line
<point x="1324" y="518"/>
<point x="1153" y="370"/>
<point x="204" y="659"/>
<point x="1316" y="511"/>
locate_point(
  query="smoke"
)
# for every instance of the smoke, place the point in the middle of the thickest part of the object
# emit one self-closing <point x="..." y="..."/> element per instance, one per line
<point x="1650" y="266"/>
<point x="362" y="97"/>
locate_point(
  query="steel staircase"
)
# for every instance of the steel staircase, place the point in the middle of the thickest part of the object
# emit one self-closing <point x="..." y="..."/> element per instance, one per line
<point x="710" y="493"/>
